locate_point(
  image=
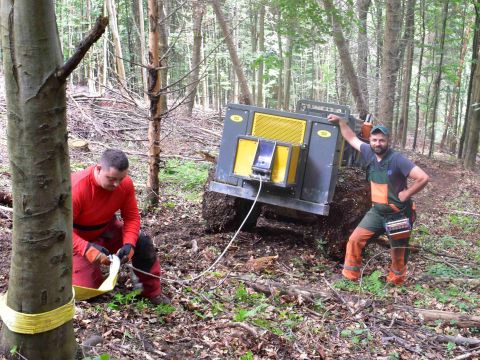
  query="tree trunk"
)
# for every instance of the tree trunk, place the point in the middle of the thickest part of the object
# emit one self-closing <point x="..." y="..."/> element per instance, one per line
<point x="379" y="46"/>
<point x="438" y="79"/>
<point x="389" y="69"/>
<point x="346" y="59"/>
<point x="287" y="71"/>
<point x="407" y="77"/>
<point x="419" y="76"/>
<point x="471" y="148"/>
<point x="143" y="57"/>
<point x="154" y="89"/>
<point x="279" y="93"/>
<point x="41" y="263"/>
<point x="261" y="50"/>
<point x="245" y="96"/>
<point x="362" y="60"/>
<point x="475" y="47"/>
<point x="163" y="52"/>
<point x="449" y="123"/>
<point x="112" y="13"/>
<point x="197" y="16"/>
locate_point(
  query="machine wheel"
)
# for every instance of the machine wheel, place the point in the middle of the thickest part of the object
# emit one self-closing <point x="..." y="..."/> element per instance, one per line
<point x="350" y="203"/>
<point x="223" y="213"/>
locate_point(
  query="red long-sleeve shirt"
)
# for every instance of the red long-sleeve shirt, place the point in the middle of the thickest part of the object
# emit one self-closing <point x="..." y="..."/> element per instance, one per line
<point x="93" y="205"/>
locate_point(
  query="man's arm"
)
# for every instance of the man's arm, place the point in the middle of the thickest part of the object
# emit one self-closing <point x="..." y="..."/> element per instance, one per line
<point x="420" y="180"/>
<point x="130" y="215"/>
<point x="347" y="133"/>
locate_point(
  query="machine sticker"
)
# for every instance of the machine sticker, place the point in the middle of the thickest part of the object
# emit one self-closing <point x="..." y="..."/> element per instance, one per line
<point x="236" y="118"/>
<point x="324" y="133"/>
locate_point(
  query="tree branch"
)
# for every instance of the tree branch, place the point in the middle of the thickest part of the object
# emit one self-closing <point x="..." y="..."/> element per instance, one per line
<point x="82" y="48"/>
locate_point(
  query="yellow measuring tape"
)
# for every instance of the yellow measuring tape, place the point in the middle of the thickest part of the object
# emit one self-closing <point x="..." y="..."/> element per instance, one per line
<point x="84" y="293"/>
<point x="22" y="323"/>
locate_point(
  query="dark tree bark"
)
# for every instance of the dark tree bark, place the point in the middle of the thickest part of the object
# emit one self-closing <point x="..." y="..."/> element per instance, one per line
<point x="407" y="77"/>
<point x="245" y="96"/>
<point x="419" y="76"/>
<point x="41" y="263"/>
<point x="471" y="148"/>
<point x="438" y="78"/>
<point x="346" y="59"/>
<point x="390" y="57"/>
<point x="475" y="48"/>
<point x="197" y="16"/>
<point x="362" y="60"/>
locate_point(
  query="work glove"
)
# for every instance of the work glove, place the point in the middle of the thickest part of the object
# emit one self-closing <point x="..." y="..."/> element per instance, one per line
<point x="125" y="253"/>
<point x="97" y="254"/>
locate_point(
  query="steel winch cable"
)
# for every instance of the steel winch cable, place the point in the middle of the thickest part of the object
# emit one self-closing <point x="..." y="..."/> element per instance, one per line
<point x="186" y="281"/>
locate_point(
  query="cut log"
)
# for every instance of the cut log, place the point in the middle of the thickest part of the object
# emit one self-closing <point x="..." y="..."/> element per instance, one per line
<point x="78" y="144"/>
<point x="456" y="319"/>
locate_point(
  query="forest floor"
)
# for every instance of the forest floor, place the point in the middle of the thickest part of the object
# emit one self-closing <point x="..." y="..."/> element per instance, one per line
<point x="291" y="304"/>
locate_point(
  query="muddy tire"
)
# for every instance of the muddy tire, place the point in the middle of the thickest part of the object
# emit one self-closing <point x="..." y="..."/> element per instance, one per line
<point x="224" y="213"/>
<point x="350" y="203"/>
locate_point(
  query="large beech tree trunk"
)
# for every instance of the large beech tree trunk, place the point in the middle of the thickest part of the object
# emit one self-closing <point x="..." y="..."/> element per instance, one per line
<point x="245" y="95"/>
<point x="389" y="69"/>
<point x="471" y="148"/>
<point x="41" y="264"/>
<point x="362" y="60"/>
<point x="197" y="15"/>
<point x="346" y="59"/>
<point x="261" y="50"/>
<point x="117" y="45"/>
<point x="438" y="79"/>
<point x="407" y="72"/>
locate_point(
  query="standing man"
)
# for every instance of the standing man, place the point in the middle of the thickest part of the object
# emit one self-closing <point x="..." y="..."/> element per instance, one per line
<point x="387" y="171"/>
<point x="98" y="192"/>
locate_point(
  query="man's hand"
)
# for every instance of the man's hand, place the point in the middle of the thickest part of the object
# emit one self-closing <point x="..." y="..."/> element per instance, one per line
<point x="334" y="118"/>
<point x="125" y="253"/>
<point x="403" y="195"/>
<point x="347" y="133"/>
<point x="97" y="254"/>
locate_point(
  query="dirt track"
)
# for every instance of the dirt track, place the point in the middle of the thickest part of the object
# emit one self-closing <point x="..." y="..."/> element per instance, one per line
<point x="220" y="317"/>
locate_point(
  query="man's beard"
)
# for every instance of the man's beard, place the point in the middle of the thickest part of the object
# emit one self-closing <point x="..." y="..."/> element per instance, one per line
<point x="379" y="150"/>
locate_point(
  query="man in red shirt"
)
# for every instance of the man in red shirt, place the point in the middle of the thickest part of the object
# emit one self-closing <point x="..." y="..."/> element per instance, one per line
<point x="98" y="192"/>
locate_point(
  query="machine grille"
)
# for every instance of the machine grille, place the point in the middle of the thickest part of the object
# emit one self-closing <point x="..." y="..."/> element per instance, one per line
<point x="279" y="128"/>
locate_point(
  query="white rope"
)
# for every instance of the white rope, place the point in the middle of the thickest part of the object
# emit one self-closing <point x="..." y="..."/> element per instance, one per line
<point x="186" y="281"/>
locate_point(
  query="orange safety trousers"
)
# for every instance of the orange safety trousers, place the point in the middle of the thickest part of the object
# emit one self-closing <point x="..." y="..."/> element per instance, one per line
<point x="353" y="257"/>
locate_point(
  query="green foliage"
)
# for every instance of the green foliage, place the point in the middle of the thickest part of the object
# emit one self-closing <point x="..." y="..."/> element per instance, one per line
<point x="452" y="295"/>
<point x="186" y="176"/>
<point x="120" y="299"/>
<point x="247" y="356"/>
<point x="164" y="309"/>
<point x="357" y="334"/>
<point x="242" y="314"/>
<point x="370" y="283"/>
<point x="76" y="166"/>
<point x="440" y="269"/>
<point x="466" y="222"/>
<point x="279" y="318"/>
<point x="99" y="357"/>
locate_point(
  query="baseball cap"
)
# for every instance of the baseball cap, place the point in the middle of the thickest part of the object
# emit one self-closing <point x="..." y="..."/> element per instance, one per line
<point x="380" y="128"/>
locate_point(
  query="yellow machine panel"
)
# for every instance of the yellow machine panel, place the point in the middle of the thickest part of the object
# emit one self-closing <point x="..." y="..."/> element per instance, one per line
<point x="244" y="158"/>
<point x="284" y="164"/>
<point x="279" y="128"/>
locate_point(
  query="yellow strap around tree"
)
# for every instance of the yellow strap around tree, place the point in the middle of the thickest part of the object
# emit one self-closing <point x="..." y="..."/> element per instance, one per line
<point x="84" y="293"/>
<point x="22" y="323"/>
